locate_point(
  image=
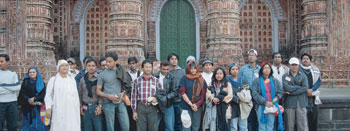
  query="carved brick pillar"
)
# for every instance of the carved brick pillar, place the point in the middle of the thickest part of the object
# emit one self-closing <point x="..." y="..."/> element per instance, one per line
<point x="126" y="29"/>
<point x="314" y="34"/>
<point x="223" y="35"/>
<point x="39" y="40"/>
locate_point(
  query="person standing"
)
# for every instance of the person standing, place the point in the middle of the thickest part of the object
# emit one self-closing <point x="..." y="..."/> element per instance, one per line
<point x="207" y="73"/>
<point x="295" y="85"/>
<point x="278" y="68"/>
<point x="73" y="66"/>
<point x="313" y="75"/>
<point x="144" y="99"/>
<point x="9" y="86"/>
<point x="90" y="102"/>
<point x="62" y="100"/>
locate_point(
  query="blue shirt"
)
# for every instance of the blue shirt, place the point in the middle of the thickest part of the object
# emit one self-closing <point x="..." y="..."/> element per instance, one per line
<point x="249" y="74"/>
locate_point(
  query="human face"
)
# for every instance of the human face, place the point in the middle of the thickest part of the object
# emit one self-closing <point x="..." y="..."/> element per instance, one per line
<point x="111" y="63"/>
<point x="277" y="59"/>
<point x="294" y="67"/>
<point x="164" y="70"/>
<point x="306" y="61"/>
<point x="207" y="68"/>
<point x="193" y="70"/>
<point x="3" y="63"/>
<point x="252" y="57"/>
<point x="103" y="65"/>
<point x="219" y="75"/>
<point x="63" y="68"/>
<point x="147" y="69"/>
<point x="132" y="65"/>
<point x="91" y="67"/>
<point x="234" y="71"/>
<point x="32" y="74"/>
<point x="266" y="70"/>
<point x="173" y="61"/>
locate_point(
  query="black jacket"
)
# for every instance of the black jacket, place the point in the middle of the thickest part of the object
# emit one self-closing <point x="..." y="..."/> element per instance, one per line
<point x="221" y="124"/>
<point x="124" y="78"/>
<point x="167" y="96"/>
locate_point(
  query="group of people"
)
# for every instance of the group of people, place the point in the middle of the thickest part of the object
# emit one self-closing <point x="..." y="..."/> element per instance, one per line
<point x="105" y="96"/>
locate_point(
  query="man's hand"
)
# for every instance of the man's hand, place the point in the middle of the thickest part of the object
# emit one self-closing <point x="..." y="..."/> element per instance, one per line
<point x="98" y="110"/>
<point x="134" y="116"/>
<point x="112" y="97"/>
<point x="154" y="100"/>
<point x="309" y="92"/>
<point x="81" y="111"/>
<point x="268" y="104"/>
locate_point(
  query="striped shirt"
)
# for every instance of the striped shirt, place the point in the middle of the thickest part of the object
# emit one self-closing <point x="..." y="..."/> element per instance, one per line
<point x="142" y="89"/>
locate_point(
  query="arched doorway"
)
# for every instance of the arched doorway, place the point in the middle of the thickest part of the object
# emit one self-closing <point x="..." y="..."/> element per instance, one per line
<point x="256" y="27"/>
<point x="177" y="30"/>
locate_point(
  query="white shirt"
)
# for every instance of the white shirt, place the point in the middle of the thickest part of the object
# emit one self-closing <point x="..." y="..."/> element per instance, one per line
<point x="134" y="75"/>
<point x="279" y="72"/>
<point x="207" y="77"/>
<point x="161" y="77"/>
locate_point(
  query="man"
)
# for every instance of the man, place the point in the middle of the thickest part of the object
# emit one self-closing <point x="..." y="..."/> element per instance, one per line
<point x="207" y="73"/>
<point x="115" y="84"/>
<point x="314" y="82"/>
<point x="73" y="66"/>
<point x="249" y="73"/>
<point x="83" y="71"/>
<point x="133" y="72"/>
<point x="90" y="102"/>
<point x="176" y="71"/>
<point x="295" y="85"/>
<point x="144" y="100"/>
<point x="9" y="86"/>
<point x="167" y="95"/>
<point x="103" y="64"/>
<point x="278" y="68"/>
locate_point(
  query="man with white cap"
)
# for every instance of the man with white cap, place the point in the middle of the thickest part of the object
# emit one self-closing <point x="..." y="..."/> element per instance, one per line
<point x="249" y="73"/>
<point x="207" y="70"/>
<point x="295" y="85"/>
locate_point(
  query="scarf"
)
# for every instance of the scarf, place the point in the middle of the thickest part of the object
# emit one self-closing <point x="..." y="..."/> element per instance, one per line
<point x="264" y="118"/>
<point x="39" y="81"/>
<point x="198" y="81"/>
<point x="234" y="83"/>
<point x="89" y="84"/>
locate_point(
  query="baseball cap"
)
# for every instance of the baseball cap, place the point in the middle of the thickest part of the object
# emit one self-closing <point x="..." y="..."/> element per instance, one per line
<point x="207" y="60"/>
<point x="294" y="61"/>
<point x="71" y="60"/>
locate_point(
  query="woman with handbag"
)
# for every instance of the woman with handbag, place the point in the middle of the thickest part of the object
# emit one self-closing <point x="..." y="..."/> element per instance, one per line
<point x="62" y="100"/>
<point x="192" y="89"/>
<point x="266" y="91"/>
<point x="222" y="95"/>
<point x="31" y="99"/>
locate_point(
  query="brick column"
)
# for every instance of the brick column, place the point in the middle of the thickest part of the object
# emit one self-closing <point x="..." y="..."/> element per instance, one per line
<point x="314" y="39"/>
<point x="126" y="29"/>
<point x="39" y="40"/>
<point x="223" y="35"/>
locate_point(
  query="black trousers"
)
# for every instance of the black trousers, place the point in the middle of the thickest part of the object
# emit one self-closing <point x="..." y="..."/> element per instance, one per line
<point x="312" y="118"/>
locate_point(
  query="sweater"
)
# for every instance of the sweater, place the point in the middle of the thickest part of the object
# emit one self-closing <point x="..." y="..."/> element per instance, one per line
<point x="9" y="86"/>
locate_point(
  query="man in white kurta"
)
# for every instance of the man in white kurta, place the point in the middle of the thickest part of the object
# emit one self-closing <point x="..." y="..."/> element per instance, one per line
<point x="63" y="100"/>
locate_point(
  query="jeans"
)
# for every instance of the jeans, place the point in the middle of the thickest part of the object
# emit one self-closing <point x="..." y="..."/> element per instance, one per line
<point x="92" y="122"/>
<point x="195" y="120"/>
<point x="147" y="117"/>
<point x="253" y="121"/>
<point x="169" y="119"/>
<point x="178" y="123"/>
<point x="110" y="109"/>
<point x="270" y="121"/>
<point x="236" y="123"/>
<point x="9" y="112"/>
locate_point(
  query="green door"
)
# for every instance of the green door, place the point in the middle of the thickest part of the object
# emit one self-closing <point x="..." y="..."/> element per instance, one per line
<point x="177" y="30"/>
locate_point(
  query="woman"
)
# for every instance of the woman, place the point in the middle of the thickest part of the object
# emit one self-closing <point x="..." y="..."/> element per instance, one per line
<point x="31" y="97"/>
<point x="266" y="92"/>
<point x="63" y="100"/>
<point x="192" y="90"/>
<point x="221" y="95"/>
<point x="236" y="82"/>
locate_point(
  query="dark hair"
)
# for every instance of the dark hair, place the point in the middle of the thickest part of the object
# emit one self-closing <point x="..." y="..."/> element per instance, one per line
<point x="306" y="54"/>
<point x="7" y="58"/>
<point x="113" y="55"/>
<point x="91" y="60"/>
<point x="223" y="81"/>
<point x="229" y="69"/>
<point x="171" y="55"/>
<point x="146" y="61"/>
<point x="276" y="53"/>
<point x="132" y="59"/>
<point x="262" y="68"/>
<point x="164" y="63"/>
<point x="101" y="60"/>
<point x="86" y="58"/>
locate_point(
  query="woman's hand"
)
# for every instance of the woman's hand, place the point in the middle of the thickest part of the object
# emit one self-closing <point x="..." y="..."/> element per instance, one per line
<point x="48" y="113"/>
<point x="216" y="101"/>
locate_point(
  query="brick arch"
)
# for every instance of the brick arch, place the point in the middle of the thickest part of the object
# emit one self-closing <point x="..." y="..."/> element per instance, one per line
<point x="276" y="11"/>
